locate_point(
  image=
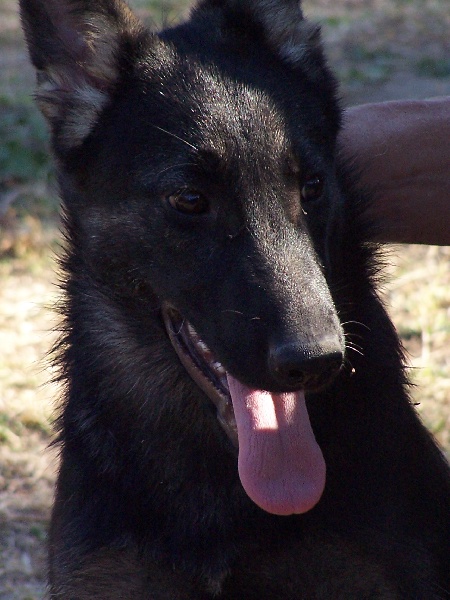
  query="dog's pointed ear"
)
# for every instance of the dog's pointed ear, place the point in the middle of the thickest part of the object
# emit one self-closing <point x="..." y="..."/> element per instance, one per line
<point x="290" y="35"/>
<point x="285" y="30"/>
<point x="74" y="45"/>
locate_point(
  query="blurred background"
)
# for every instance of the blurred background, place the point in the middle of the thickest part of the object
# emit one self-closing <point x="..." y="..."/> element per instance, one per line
<point x="381" y="50"/>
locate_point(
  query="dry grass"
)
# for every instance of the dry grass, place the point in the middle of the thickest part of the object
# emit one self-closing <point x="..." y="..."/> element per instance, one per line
<point x="26" y="468"/>
<point x="418" y="297"/>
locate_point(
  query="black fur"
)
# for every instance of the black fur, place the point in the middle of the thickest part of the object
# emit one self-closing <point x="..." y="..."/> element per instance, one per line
<point x="149" y="504"/>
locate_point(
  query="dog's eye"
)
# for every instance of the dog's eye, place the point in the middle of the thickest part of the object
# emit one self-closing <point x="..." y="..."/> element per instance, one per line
<point x="188" y="202"/>
<point x="312" y="188"/>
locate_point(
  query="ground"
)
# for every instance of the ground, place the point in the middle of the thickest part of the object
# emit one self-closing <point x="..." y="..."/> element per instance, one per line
<point x="382" y="49"/>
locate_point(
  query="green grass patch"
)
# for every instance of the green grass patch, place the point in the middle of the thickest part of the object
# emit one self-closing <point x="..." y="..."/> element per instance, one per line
<point x="38" y="532"/>
<point x="433" y="67"/>
<point x="24" y="153"/>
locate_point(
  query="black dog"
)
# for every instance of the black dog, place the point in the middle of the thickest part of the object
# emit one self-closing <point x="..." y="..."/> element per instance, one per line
<point x="223" y="345"/>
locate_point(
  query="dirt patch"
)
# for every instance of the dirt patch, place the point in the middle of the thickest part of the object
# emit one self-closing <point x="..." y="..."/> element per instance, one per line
<point x="27" y="466"/>
<point x="26" y="491"/>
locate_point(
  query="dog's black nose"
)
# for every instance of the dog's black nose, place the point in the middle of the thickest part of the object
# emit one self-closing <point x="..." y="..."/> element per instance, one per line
<point x="297" y="366"/>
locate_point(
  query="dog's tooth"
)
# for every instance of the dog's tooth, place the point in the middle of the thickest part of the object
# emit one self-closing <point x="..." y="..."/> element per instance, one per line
<point x="218" y="368"/>
<point x="191" y="331"/>
<point x="202" y="346"/>
<point x="206" y="352"/>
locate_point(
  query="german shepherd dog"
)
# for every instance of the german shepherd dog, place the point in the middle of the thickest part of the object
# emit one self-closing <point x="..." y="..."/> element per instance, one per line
<point x="235" y="422"/>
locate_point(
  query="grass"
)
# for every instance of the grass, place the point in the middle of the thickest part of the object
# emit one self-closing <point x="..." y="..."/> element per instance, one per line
<point x="429" y="66"/>
<point x="418" y="295"/>
<point x="25" y="405"/>
<point x="24" y="152"/>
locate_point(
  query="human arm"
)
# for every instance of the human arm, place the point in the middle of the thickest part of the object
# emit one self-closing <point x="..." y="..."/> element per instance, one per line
<point x="403" y="149"/>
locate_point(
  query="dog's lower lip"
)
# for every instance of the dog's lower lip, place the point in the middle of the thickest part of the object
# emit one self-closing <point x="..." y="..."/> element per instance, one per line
<point x="198" y="360"/>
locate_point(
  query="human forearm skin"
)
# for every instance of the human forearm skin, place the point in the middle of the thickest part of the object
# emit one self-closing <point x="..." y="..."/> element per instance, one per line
<point x="403" y="150"/>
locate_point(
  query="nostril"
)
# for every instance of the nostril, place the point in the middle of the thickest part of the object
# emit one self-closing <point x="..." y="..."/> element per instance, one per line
<point x="299" y="366"/>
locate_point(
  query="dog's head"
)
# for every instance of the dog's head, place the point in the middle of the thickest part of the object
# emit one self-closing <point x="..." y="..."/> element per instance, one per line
<point x="198" y="169"/>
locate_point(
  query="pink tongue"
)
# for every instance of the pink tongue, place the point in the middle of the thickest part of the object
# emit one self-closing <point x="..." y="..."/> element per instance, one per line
<point x="280" y="463"/>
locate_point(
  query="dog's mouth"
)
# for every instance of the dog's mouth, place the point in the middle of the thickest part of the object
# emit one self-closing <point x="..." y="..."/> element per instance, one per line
<point x="280" y="464"/>
<point x="202" y="366"/>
